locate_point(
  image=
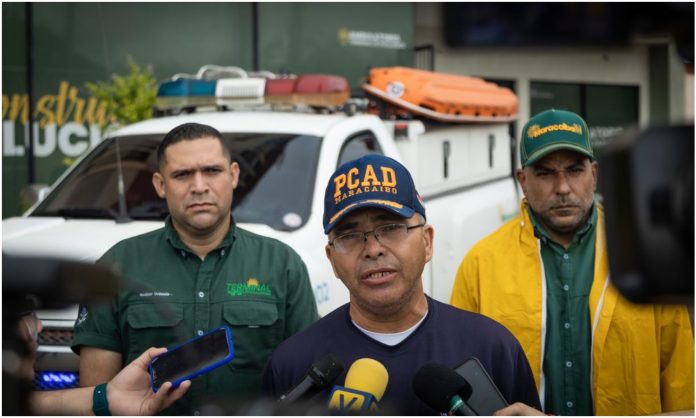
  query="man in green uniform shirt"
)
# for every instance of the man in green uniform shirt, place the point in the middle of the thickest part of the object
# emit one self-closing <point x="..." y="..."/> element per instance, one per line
<point x="198" y="272"/>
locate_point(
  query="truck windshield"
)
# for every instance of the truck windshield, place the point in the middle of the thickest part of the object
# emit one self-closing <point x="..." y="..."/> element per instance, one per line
<point x="275" y="187"/>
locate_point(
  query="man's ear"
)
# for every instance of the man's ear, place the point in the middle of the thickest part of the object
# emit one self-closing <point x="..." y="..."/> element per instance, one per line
<point x="428" y="235"/>
<point x="329" y="255"/>
<point x="234" y="172"/>
<point x="521" y="176"/>
<point x="158" y="182"/>
<point x="595" y="173"/>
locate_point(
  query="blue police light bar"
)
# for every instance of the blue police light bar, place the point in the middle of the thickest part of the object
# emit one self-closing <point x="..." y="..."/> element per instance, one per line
<point x="185" y="93"/>
<point x="182" y="87"/>
<point x="48" y="380"/>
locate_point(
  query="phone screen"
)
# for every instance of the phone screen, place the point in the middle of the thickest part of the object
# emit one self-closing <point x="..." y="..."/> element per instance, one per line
<point x="485" y="397"/>
<point x="191" y="358"/>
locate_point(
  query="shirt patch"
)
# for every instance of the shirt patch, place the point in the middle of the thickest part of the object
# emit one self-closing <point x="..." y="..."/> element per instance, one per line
<point x="250" y="287"/>
<point x="82" y="316"/>
<point x="151" y="294"/>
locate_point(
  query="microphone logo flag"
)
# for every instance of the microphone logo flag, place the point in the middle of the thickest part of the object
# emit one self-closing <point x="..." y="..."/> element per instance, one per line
<point x="345" y="399"/>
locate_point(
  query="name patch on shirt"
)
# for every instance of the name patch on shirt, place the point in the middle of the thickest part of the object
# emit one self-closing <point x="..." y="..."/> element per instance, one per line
<point x="151" y="294"/>
<point x="250" y="287"/>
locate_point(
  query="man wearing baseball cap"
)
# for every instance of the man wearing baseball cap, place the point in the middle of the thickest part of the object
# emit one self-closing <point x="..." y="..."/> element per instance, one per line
<point x="545" y="276"/>
<point x="378" y="245"/>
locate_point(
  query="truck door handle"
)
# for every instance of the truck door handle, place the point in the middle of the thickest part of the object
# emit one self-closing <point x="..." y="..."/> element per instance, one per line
<point x="445" y="157"/>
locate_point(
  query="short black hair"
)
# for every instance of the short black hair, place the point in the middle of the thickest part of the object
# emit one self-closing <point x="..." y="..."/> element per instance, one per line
<point x="189" y="132"/>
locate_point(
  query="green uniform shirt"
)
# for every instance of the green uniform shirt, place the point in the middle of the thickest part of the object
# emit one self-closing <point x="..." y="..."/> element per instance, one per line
<point x="256" y="285"/>
<point x="567" y="353"/>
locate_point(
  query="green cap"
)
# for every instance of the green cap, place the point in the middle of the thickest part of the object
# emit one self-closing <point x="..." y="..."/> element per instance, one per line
<point x="554" y="130"/>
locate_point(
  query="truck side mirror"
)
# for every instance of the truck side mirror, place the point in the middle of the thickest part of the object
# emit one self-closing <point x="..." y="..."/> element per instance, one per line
<point x="32" y="193"/>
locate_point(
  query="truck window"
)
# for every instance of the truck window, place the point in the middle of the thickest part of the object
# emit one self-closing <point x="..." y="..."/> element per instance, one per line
<point x="275" y="185"/>
<point x="356" y="146"/>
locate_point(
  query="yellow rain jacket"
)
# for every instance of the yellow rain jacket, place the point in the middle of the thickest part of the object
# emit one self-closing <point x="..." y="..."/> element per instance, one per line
<point x="642" y="355"/>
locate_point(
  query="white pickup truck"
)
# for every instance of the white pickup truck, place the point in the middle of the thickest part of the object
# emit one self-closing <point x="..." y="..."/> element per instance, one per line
<point x="462" y="171"/>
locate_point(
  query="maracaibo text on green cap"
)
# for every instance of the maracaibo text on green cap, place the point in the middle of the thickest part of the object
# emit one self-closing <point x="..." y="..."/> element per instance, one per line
<point x="554" y="130"/>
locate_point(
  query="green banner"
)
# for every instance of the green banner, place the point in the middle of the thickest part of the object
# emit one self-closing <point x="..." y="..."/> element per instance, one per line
<point x="76" y="43"/>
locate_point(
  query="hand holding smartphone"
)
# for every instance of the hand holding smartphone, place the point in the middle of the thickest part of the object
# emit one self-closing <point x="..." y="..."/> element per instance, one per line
<point x="192" y="358"/>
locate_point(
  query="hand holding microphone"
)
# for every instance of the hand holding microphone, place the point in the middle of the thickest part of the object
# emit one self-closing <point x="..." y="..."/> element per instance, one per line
<point x="365" y="384"/>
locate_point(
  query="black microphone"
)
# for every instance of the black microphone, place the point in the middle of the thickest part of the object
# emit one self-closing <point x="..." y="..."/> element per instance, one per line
<point x="320" y="376"/>
<point x="442" y="389"/>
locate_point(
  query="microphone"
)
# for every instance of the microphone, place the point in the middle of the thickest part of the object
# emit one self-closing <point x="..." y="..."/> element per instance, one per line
<point x="442" y="389"/>
<point x="320" y="376"/>
<point x="365" y="384"/>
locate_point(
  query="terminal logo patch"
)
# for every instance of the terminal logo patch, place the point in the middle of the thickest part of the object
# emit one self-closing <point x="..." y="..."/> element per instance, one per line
<point x="251" y="287"/>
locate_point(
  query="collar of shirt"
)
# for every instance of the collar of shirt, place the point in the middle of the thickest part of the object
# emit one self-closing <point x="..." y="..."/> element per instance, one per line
<point x="176" y="242"/>
<point x="393" y="338"/>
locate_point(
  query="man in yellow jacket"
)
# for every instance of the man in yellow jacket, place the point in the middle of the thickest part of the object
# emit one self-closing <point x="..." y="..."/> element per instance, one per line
<point x="545" y="276"/>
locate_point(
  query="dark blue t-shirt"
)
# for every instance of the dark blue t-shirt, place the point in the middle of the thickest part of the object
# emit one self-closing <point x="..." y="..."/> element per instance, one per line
<point x="448" y="336"/>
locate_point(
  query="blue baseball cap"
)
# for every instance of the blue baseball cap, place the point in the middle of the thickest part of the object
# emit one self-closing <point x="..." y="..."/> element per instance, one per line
<point x="370" y="181"/>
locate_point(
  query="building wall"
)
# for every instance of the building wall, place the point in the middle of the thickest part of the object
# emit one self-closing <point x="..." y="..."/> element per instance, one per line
<point x="643" y="64"/>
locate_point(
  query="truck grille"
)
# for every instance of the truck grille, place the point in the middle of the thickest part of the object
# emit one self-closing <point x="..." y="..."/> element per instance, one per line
<point x="55" y="336"/>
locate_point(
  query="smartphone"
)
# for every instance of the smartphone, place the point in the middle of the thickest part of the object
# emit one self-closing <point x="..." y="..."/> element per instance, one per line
<point x="192" y="358"/>
<point x="485" y="397"/>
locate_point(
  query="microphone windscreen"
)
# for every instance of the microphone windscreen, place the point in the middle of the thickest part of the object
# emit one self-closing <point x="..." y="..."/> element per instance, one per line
<point x="436" y="385"/>
<point x="326" y="370"/>
<point x="368" y="375"/>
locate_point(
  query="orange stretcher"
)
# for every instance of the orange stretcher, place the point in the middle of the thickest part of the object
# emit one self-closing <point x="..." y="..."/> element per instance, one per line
<point x="441" y="97"/>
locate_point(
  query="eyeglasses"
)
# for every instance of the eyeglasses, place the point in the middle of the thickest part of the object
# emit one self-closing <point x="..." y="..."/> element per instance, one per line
<point x="31" y="323"/>
<point x="388" y="235"/>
